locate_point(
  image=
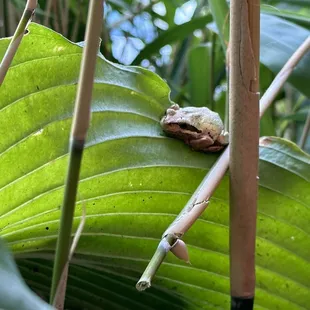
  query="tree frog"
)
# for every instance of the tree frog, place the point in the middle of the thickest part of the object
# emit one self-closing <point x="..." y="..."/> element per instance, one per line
<point x="200" y="128"/>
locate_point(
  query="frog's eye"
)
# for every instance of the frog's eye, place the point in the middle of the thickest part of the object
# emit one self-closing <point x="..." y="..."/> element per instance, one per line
<point x="186" y="126"/>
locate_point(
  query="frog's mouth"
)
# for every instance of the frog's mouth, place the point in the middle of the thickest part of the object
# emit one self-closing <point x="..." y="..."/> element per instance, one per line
<point x="188" y="127"/>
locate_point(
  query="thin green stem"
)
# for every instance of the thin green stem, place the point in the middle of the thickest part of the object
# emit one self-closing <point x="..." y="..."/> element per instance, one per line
<point x="290" y="130"/>
<point x="212" y="70"/>
<point x="2" y="18"/>
<point x="305" y="132"/>
<point x="64" y="238"/>
<point x="65" y="17"/>
<point x="48" y="8"/>
<point x="80" y="126"/>
<point x="75" y="28"/>
<point x="220" y="12"/>
<point x="179" y="63"/>
<point x="226" y="118"/>
<point x="59" y="299"/>
<point x="163" y="248"/>
<point x="11" y="18"/>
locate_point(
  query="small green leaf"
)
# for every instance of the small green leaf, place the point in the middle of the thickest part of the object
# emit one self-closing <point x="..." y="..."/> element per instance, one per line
<point x="14" y="293"/>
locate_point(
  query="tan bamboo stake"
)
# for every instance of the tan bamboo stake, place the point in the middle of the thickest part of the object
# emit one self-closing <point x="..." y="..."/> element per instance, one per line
<point x="244" y="139"/>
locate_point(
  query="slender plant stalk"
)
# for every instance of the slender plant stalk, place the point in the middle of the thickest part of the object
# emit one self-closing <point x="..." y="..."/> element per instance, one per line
<point x="18" y="35"/>
<point x="220" y="12"/>
<point x="178" y="65"/>
<point x="163" y="248"/>
<point x="226" y="117"/>
<point x="305" y="132"/>
<point x="59" y="299"/>
<point x="106" y="47"/>
<point x="244" y="140"/>
<point x="76" y="24"/>
<point x="48" y="9"/>
<point x="56" y="19"/>
<point x="60" y="14"/>
<point x="2" y="19"/>
<point x="12" y="19"/>
<point x="290" y="130"/>
<point x="212" y="69"/>
<point x="79" y="129"/>
<point x="199" y="200"/>
<point x="65" y="17"/>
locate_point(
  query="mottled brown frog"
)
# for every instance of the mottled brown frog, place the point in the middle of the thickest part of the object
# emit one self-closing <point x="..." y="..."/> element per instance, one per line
<point x="200" y="128"/>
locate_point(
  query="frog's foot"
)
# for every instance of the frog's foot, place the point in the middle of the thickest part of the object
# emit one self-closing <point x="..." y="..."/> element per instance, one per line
<point x="202" y="144"/>
<point x="172" y="110"/>
<point x="206" y="145"/>
<point x="214" y="148"/>
<point x="223" y="138"/>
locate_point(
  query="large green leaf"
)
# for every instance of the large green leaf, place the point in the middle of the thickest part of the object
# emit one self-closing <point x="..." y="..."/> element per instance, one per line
<point x="295" y="11"/>
<point x="134" y="181"/>
<point x="279" y="40"/>
<point x="290" y="16"/>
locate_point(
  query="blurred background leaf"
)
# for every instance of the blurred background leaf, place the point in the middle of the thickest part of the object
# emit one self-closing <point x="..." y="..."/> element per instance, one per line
<point x="14" y="293"/>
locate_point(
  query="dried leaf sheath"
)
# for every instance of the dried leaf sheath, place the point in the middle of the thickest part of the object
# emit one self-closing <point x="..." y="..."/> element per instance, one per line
<point x="16" y="39"/>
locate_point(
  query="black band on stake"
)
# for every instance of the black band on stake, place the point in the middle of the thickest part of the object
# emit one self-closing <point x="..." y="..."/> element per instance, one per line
<point x="242" y="303"/>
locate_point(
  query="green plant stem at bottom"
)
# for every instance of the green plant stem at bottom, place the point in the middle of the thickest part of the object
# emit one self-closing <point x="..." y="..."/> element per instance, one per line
<point x="163" y="248"/>
<point x="64" y="236"/>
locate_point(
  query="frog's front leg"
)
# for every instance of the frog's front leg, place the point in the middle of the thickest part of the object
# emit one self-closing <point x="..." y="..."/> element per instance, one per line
<point x="223" y="138"/>
<point x="203" y="144"/>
